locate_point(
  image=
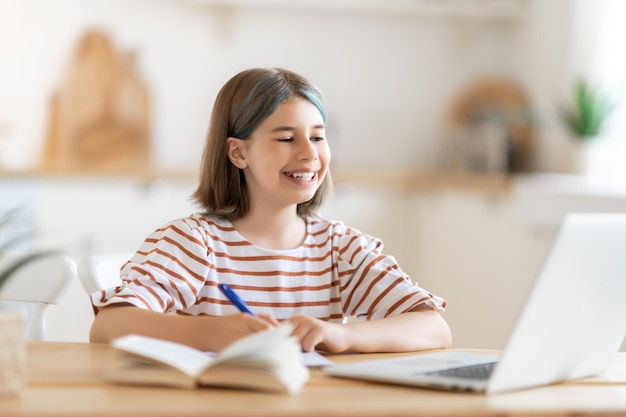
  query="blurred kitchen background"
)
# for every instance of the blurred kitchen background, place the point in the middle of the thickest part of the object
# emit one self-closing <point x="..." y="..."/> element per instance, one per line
<point x="443" y="121"/>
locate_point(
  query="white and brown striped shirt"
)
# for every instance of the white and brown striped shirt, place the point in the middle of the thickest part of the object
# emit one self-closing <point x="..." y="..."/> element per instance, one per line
<point x="337" y="272"/>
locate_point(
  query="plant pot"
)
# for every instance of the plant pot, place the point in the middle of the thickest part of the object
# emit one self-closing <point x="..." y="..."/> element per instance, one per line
<point x="590" y="157"/>
<point x="594" y="158"/>
<point x="581" y="157"/>
<point x="12" y="352"/>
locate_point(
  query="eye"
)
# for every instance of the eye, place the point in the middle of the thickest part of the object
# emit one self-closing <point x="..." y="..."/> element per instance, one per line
<point x="318" y="138"/>
<point x="286" y="140"/>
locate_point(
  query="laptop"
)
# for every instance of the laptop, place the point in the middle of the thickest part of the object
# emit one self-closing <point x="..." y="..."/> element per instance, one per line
<point x="571" y="325"/>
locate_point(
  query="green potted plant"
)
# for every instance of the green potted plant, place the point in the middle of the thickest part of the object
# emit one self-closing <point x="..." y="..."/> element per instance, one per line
<point x="584" y="117"/>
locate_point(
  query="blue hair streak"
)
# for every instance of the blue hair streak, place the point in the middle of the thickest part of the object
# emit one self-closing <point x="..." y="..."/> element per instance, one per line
<point x="280" y="98"/>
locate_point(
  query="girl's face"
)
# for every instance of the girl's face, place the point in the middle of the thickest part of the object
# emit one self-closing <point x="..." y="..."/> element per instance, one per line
<point x="286" y="157"/>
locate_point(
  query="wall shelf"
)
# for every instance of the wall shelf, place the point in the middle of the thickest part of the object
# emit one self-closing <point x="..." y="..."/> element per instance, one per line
<point x="146" y="174"/>
<point x="423" y="180"/>
<point x="376" y="178"/>
<point x="459" y="9"/>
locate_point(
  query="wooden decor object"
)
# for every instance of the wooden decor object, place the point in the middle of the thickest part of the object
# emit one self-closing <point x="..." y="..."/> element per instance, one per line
<point x="499" y="99"/>
<point x="99" y="116"/>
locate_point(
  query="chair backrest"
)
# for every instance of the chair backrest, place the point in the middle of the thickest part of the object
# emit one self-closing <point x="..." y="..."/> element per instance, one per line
<point x="98" y="272"/>
<point x="34" y="286"/>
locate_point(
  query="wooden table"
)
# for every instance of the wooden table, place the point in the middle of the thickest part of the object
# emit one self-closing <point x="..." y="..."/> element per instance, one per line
<point x="65" y="379"/>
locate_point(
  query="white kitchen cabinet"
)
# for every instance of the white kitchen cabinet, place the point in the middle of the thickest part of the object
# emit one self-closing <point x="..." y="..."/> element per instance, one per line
<point x="473" y="250"/>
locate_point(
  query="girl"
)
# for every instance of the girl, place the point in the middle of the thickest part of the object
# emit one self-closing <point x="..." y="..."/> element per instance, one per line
<point x="264" y="175"/>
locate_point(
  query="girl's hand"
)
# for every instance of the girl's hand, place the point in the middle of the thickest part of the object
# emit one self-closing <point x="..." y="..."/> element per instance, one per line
<point x="314" y="333"/>
<point x="233" y="327"/>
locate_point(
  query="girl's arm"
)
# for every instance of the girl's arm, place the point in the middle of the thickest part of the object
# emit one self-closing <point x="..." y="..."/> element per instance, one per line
<point x="417" y="330"/>
<point x="205" y="333"/>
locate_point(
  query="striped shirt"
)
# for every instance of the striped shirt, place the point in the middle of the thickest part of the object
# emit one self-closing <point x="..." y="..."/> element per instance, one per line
<point x="337" y="272"/>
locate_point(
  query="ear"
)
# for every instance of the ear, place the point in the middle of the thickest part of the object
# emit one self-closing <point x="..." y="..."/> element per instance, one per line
<point x="235" y="149"/>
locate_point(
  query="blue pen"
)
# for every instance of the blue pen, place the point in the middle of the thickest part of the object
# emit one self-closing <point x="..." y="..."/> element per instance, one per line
<point x="234" y="298"/>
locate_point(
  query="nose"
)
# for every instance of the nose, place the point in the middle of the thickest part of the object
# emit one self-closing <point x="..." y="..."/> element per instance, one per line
<point x="307" y="151"/>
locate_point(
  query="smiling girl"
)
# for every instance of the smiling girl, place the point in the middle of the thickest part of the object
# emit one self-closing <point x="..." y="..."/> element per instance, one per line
<point x="264" y="177"/>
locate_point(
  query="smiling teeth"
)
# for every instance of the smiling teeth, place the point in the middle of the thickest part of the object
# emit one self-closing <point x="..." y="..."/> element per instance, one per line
<point x="303" y="175"/>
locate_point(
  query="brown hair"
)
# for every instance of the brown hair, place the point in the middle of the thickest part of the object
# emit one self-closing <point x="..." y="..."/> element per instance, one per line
<point x="241" y="105"/>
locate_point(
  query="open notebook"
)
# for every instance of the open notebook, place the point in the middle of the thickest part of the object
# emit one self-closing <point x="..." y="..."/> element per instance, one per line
<point x="571" y="325"/>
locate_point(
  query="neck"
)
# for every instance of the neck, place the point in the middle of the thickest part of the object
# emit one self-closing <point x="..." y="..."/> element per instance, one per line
<point x="271" y="229"/>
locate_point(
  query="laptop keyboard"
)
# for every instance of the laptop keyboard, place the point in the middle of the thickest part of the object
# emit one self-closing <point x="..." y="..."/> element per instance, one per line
<point x="480" y="371"/>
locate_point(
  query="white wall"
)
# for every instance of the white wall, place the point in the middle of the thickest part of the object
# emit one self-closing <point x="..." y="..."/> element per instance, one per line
<point x="388" y="79"/>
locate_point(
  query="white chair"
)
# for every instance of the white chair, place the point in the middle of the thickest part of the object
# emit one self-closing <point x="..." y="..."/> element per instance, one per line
<point x="98" y="272"/>
<point x="34" y="286"/>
